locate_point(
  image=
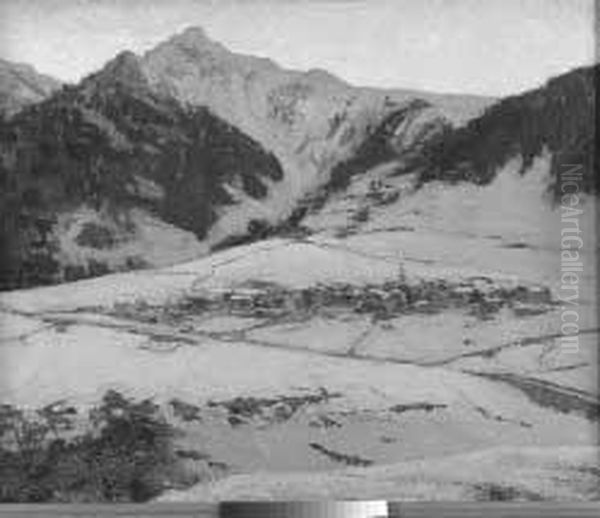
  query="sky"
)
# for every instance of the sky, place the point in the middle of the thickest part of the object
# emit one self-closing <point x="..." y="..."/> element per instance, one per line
<point x="489" y="47"/>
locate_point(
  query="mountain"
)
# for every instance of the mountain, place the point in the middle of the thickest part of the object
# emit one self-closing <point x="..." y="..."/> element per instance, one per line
<point x="554" y="122"/>
<point x="310" y="120"/>
<point x="558" y="117"/>
<point x="400" y="138"/>
<point x="158" y="158"/>
<point x="90" y="171"/>
<point x="21" y="85"/>
<point x="398" y="320"/>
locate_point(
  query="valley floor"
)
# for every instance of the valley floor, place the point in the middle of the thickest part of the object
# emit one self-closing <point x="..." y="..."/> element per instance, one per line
<point x="398" y="363"/>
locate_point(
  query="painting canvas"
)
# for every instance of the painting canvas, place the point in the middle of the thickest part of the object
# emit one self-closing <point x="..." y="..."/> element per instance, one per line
<point x="298" y="250"/>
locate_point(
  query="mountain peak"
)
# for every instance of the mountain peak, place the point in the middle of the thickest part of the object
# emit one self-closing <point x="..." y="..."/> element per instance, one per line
<point x="196" y="33"/>
<point x="123" y="62"/>
<point x="196" y="38"/>
<point x="123" y="69"/>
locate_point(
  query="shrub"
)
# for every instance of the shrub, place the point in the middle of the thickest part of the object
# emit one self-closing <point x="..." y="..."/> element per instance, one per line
<point x="185" y="411"/>
<point x="95" y="236"/>
<point x="256" y="230"/>
<point x="259" y="228"/>
<point x="134" y="262"/>
<point x="361" y="215"/>
<point x="97" y="268"/>
<point x="74" y="272"/>
<point x="127" y="456"/>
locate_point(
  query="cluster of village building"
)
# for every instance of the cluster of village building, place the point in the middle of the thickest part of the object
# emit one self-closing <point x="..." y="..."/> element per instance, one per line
<point x="392" y="297"/>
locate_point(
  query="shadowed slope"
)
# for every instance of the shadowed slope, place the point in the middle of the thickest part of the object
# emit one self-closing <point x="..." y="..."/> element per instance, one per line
<point x="558" y="116"/>
<point x="114" y="145"/>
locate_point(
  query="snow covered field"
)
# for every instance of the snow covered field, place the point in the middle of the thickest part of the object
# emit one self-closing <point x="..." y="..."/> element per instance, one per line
<point x="435" y="403"/>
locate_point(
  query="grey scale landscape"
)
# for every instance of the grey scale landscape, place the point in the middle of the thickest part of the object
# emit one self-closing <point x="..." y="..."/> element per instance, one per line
<point x="320" y="290"/>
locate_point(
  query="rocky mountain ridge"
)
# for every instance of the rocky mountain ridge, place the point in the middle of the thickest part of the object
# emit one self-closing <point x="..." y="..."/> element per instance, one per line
<point x="188" y="145"/>
<point x="21" y="85"/>
<point x="310" y="120"/>
<point x="158" y="158"/>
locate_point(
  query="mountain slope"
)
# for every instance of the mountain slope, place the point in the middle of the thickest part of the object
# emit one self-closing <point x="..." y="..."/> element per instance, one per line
<point x="157" y="158"/>
<point x="21" y="85"/>
<point x="112" y="148"/>
<point x="309" y="120"/>
<point x="559" y="117"/>
<point x="538" y="132"/>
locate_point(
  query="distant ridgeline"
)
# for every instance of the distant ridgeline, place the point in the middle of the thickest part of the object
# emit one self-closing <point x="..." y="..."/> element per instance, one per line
<point x="96" y="144"/>
<point x="559" y="116"/>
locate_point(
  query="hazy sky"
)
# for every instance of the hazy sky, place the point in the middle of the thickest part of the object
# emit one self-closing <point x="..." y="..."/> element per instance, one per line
<point x="481" y="46"/>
